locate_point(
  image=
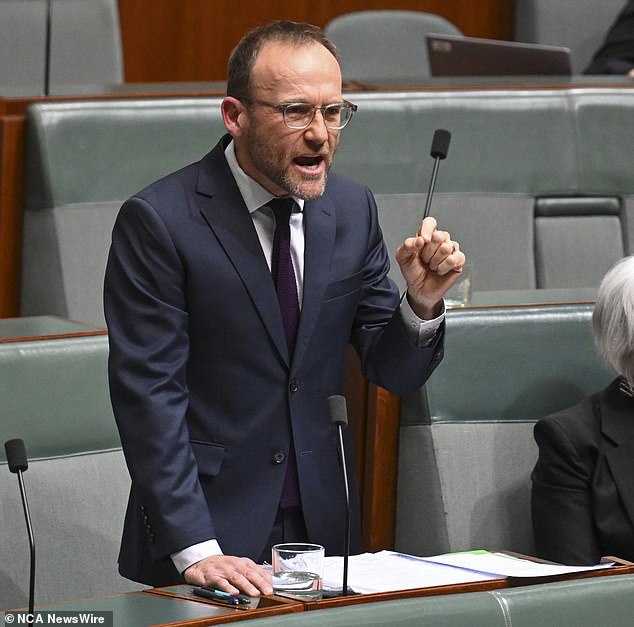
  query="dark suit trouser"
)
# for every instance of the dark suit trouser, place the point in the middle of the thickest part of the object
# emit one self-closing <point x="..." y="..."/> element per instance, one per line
<point x="289" y="526"/>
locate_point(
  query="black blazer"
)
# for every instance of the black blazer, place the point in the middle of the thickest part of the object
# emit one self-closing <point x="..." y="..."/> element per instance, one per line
<point x="204" y="391"/>
<point x="583" y="482"/>
<point x="616" y="55"/>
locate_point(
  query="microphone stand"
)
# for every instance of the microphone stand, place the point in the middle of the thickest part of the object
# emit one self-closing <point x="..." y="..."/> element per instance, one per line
<point x="17" y="462"/>
<point x="339" y="416"/>
<point x="29" y="529"/>
<point x="47" y="51"/>
<point x="439" y="148"/>
<point x="346" y="540"/>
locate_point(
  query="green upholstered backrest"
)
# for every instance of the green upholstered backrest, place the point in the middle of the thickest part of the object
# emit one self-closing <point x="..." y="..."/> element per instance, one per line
<point x="581" y="603"/>
<point x="105" y="150"/>
<point x="577" y="603"/>
<point x="83" y="160"/>
<point x="488" y="227"/>
<point x="517" y="157"/>
<point x="54" y="395"/>
<point x="466" y="443"/>
<point x="377" y="45"/>
<point x="77" y="505"/>
<point x="387" y="143"/>
<point x="532" y="141"/>
<point x="537" y="142"/>
<point x="476" y="609"/>
<point x="506" y="141"/>
<point x="510" y="364"/>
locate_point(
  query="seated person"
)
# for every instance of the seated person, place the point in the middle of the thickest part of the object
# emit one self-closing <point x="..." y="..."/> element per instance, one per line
<point x="616" y="55"/>
<point x="583" y="482"/>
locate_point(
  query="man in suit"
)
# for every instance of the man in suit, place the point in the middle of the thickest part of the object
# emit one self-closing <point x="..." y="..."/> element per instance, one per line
<point x="225" y="342"/>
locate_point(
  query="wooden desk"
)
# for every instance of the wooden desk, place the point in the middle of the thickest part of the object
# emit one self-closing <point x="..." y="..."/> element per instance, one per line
<point x="148" y="609"/>
<point x="176" y="605"/>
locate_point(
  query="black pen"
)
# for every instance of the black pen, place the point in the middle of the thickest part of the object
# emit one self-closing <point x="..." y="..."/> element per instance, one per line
<point x="222" y="597"/>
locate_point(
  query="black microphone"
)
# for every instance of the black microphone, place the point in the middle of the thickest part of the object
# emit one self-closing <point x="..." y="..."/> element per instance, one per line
<point x="47" y="51"/>
<point x="339" y="416"/>
<point x="439" y="150"/>
<point x="16" y="459"/>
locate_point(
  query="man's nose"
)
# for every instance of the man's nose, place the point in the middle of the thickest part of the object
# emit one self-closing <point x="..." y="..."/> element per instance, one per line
<point x="317" y="131"/>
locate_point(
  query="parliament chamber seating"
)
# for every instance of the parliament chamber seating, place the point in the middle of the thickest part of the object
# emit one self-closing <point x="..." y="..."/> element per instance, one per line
<point x="375" y="46"/>
<point x="537" y="186"/>
<point x="537" y="183"/>
<point x="582" y="603"/>
<point x="54" y="396"/>
<point x="82" y="46"/>
<point x="83" y="160"/>
<point x="466" y="443"/>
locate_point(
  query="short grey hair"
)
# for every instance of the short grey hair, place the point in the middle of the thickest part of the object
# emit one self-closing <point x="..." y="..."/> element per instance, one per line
<point x="613" y="318"/>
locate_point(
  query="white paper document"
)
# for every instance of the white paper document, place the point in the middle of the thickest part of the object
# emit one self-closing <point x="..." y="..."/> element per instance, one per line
<point x="507" y="565"/>
<point x="388" y="571"/>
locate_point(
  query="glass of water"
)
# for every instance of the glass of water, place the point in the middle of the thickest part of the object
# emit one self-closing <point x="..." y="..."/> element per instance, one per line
<point x="298" y="569"/>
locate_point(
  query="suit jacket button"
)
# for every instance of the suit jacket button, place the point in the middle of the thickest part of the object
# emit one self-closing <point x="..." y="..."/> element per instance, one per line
<point x="294" y="386"/>
<point x="279" y="457"/>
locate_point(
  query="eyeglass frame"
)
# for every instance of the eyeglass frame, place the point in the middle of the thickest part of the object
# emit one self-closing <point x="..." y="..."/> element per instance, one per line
<point x="283" y="106"/>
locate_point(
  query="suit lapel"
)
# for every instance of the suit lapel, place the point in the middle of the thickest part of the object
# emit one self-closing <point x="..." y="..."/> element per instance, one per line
<point x="617" y="416"/>
<point x="320" y="226"/>
<point x="224" y="210"/>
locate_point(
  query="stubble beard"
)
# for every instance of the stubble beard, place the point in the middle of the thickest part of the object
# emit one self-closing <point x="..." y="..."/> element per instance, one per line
<point x="270" y="160"/>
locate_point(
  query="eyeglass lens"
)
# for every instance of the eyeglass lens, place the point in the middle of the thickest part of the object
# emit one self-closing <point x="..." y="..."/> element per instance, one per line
<point x="300" y="115"/>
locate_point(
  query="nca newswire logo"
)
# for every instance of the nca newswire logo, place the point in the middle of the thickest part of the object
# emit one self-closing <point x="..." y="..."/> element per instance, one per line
<point x="103" y="619"/>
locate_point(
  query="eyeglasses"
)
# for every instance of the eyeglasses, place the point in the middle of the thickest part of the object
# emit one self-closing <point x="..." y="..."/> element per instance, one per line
<point x="298" y="115"/>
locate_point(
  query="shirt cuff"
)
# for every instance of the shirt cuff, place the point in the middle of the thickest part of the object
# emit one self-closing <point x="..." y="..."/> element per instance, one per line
<point x="420" y="332"/>
<point x="192" y="554"/>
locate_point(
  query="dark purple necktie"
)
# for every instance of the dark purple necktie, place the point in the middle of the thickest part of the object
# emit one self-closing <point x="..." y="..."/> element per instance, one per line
<point x="286" y="287"/>
<point x="282" y="269"/>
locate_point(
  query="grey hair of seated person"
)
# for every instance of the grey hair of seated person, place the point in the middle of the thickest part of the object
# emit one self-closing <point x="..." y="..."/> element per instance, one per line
<point x="613" y="319"/>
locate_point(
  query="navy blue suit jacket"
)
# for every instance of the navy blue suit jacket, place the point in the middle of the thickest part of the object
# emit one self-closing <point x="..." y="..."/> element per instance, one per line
<point x="204" y="391"/>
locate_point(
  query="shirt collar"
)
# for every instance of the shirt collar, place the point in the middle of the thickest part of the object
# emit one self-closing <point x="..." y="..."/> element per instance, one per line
<point x="253" y="194"/>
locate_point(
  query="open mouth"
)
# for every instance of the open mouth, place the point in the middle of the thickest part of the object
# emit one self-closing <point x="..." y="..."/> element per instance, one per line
<point x="309" y="163"/>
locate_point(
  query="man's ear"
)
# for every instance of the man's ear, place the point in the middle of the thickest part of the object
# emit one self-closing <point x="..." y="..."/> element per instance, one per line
<point x="233" y="116"/>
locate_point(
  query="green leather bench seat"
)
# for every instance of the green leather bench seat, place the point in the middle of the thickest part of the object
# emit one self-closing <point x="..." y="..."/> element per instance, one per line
<point x="583" y="603"/>
<point x="83" y="160"/>
<point x="534" y="141"/>
<point x="105" y="150"/>
<point x="517" y="241"/>
<point x="540" y="178"/>
<point x="595" y="602"/>
<point x="489" y="229"/>
<point x="466" y="443"/>
<point x="54" y="396"/>
<point x="475" y="609"/>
